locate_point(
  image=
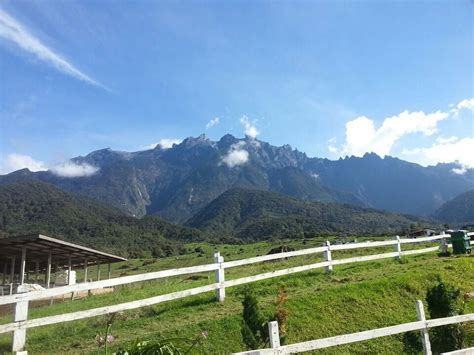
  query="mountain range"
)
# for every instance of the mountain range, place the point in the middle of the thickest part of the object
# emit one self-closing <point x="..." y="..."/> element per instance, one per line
<point x="176" y="183"/>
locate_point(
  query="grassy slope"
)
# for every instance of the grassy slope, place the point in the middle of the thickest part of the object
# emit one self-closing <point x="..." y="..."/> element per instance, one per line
<point x="355" y="297"/>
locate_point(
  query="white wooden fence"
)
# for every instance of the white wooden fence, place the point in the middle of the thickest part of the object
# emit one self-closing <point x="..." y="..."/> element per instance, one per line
<point x="422" y="325"/>
<point x="21" y="301"/>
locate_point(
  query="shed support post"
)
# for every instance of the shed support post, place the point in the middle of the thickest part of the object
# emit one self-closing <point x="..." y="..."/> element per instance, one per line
<point x="69" y="269"/>
<point x="36" y="270"/>
<point x="220" y="277"/>
<point x="108" y="271"/>
<point x="12" y="270"/>
<point x="398" y="248"/>
<point x="85" y="270"/>
<point x="22" y="266"/>
<point x="4" y="276"/>
<point x="48" y="271"/>
<point x="328" y="256"/>
<point x="19" y="335"/>
<point x="98" y="271"/>
<point x="274" y="335"/>
<point x="425" y="339"/>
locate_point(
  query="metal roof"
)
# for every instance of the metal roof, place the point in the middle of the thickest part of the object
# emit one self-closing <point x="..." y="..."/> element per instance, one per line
<point x="38" y="247"/>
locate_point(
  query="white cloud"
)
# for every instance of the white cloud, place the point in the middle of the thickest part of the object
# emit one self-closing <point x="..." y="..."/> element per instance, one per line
<point x="15" y="162"/>
<point x="442" y="140"/>
<point x="332" y="146"/>
<point x="72" y="169"/>
<point x="12" y="30"/>
<point x="362" y="136"/>
<point x="213" y="122"/>
<point x="250" y="128"/>
<point x="466" y="104"/>
<point x="461" y="170"/>
<point x="236" y="155"/>
<point x="459" y="150"/>
<point x="165" y="143"/>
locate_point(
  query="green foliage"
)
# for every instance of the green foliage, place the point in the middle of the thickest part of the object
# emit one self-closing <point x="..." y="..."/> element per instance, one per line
<point x="412" y="343"/>
<point x="251" y="215"/>
<point x="444" y="301"/>
<point x="254" y="331"/>
<point x="139" y="347"/>
<point x="36" y="207"/>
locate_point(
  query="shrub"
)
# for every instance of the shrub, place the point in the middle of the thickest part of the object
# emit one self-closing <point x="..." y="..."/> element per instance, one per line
<point x="254" y="331"/>
<point x="444" y="301"/>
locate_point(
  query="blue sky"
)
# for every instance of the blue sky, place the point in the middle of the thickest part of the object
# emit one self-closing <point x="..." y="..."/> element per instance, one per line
<point x="331" y="78"/>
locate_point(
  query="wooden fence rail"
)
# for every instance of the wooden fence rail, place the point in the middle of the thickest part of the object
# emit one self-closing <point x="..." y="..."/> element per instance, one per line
<point x="422" y="325"/>
<point x="21" y="323"/>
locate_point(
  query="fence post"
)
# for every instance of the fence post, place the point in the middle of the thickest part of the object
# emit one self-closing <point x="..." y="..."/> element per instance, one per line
<point x="274" y="335"/>
<point x="398" y="247"/>
<point x="443" y="246"/>
<point x="220" y="277"/>
<point x="19" y="335"/>
<point x="327" y="256"/>
<point x="425" y="338"/>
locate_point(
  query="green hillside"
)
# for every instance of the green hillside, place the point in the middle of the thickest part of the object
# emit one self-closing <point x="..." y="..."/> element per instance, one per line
<point x="256" y="215"/>
<point x="36" y="207"/>
<point x="458" y="210"/>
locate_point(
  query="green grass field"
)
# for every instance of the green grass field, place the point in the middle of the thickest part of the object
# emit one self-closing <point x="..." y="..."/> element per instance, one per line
<point x="353" y="298"/>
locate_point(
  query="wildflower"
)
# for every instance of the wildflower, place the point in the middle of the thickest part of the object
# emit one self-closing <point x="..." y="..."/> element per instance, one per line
<point x="205" y="334"/>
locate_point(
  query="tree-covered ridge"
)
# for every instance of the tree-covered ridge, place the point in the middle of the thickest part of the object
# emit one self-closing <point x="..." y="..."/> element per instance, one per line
<point x="36" y="207"/>
<point x="255" y="215"/>
<point x="458" y="210"/>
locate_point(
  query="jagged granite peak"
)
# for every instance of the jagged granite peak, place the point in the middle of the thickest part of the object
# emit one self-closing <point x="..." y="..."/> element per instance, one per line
<point x="200" y="140"/>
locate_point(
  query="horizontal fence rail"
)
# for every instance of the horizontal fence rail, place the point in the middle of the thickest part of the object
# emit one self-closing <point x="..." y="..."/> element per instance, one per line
<point x="21" y="301"/>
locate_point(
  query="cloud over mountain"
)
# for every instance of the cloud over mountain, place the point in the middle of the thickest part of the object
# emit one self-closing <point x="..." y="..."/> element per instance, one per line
<point x="71" y="169"/>
<point x="236" y="156"/>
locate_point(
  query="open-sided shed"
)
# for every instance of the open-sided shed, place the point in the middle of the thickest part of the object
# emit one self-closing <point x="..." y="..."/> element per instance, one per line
<point x="37" y="254"/>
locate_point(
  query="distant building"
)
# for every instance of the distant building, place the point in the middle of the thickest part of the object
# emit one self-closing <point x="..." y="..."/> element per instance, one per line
<point x="422" y="233"/>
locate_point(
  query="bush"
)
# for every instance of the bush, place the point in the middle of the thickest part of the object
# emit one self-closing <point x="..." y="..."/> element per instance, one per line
<point x="444" y="301"/>
<point x="254" y="331"/>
